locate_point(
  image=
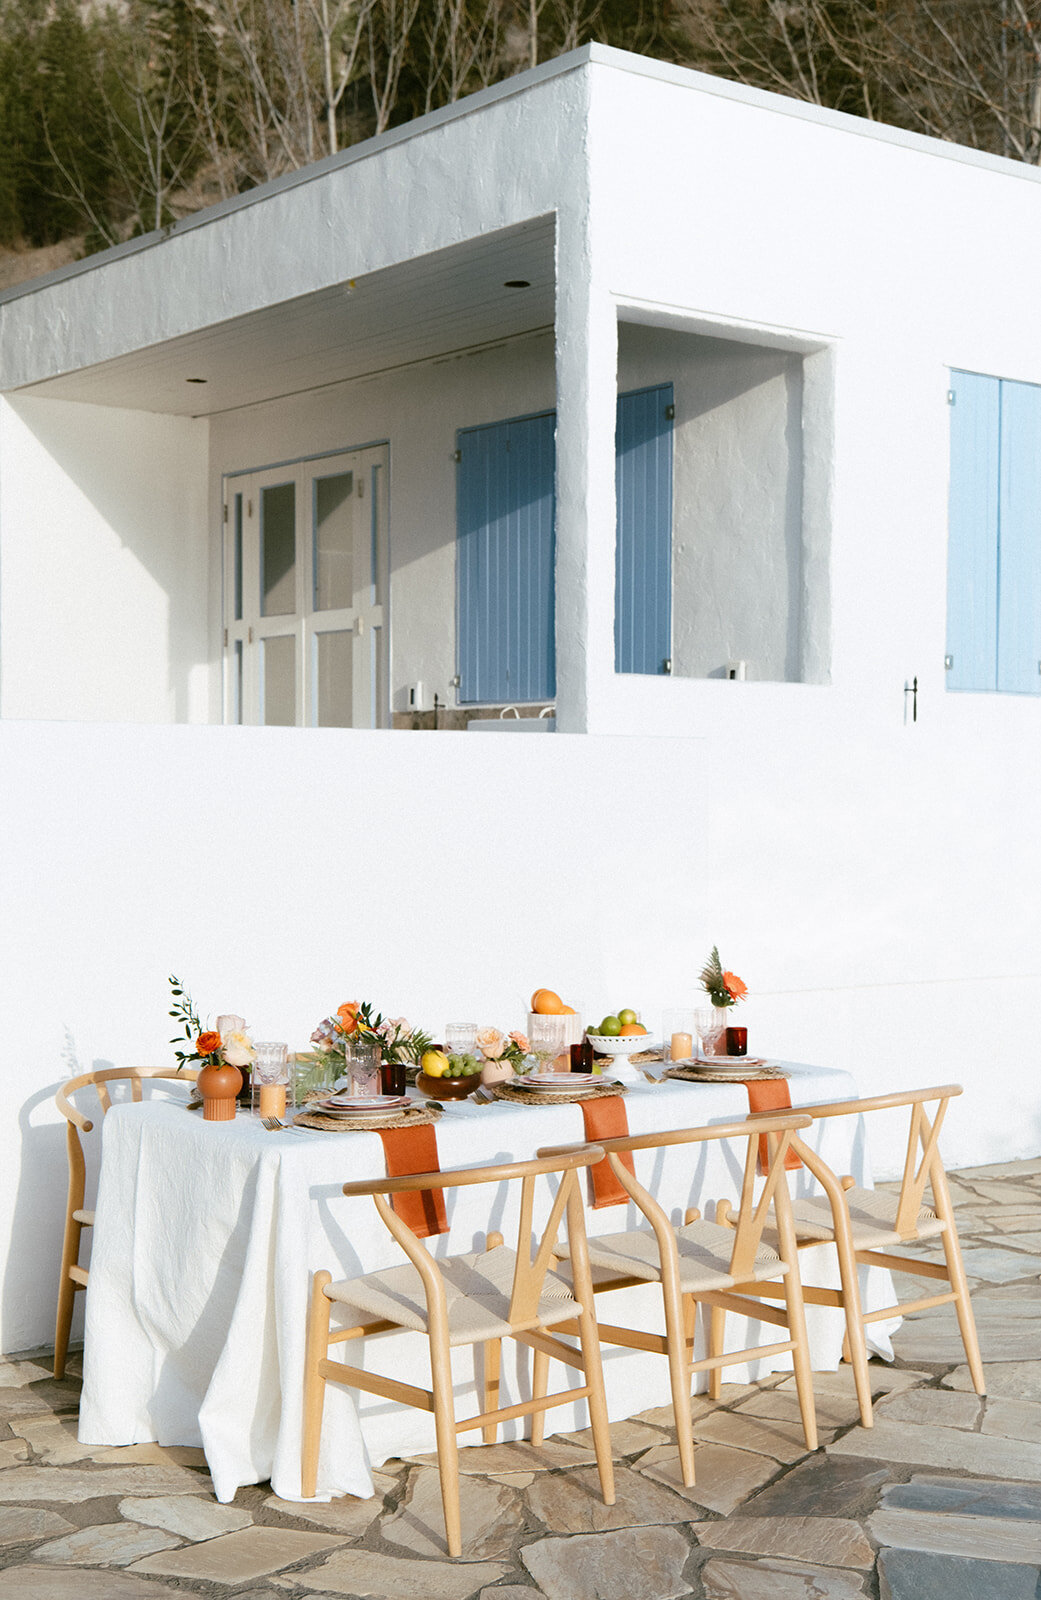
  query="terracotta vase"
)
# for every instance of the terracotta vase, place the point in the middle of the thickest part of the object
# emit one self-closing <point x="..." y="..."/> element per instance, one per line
<point x="219" y="1085"/>
<point x="500" y="1071"/>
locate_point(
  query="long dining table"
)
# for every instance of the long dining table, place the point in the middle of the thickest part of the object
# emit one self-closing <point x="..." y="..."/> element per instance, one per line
<point x="207" y="1233"/>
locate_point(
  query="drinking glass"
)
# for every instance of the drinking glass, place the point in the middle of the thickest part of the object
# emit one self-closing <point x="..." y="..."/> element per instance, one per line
<point x="461" y="1038"/>
<point x="270" y="1078"/>
<point x="363" y="1067"/>
<point x="546" y="1041"/>
<point x="710" y="1023"/>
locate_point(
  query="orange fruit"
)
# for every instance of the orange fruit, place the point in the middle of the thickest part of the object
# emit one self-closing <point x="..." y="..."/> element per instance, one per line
<point x="628" y="1029"/>
<point x="547" y="1004"/>
<point x="568" y="1011"/>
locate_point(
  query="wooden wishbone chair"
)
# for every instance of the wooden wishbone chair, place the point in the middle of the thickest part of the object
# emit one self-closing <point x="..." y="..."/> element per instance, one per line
<point x="863" y="1224"/>
<point x="479" y="1298"/>
<point x="74" y="1277"/>
<point x="719" y="1264"/>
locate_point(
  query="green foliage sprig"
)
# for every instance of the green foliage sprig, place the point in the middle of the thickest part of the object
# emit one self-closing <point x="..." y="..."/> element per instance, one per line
<point x="183" y="1011"/>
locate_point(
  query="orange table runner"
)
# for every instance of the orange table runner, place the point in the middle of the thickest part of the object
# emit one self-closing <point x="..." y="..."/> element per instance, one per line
<point x="409" y="1150"/>
<point x="771" y="1094"/>
<point x="606" y="1118"/>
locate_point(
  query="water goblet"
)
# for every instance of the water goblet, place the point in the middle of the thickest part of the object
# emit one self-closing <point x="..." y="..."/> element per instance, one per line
<point x="546" y="1041"/>
<point x="461" y="1038"/>
<point x="710" y="1023"/>
<point x="270" y="1078"/>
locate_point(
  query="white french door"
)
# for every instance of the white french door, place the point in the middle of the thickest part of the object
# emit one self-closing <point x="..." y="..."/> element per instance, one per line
<point x="306" y="635"/>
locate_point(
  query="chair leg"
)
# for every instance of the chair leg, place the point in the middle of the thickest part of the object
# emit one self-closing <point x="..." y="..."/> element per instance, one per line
<point x="854" y="1345"/>
<point x="539" y="1391"/>
<point x="447" y="1439"/>
<point x="314" y="1384"/>
<point x="492" y="1368"/>
<point x="963" y="1307"/>
<point x="592" y="1367"/>
<point x="66" y="1295"/>
<point x="717" y="1325"/>
<point x="679" y="1380"/>
<point x="801" y="1354"/>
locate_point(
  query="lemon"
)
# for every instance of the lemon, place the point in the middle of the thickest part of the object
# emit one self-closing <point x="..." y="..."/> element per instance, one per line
<point x="434" y="1063"/>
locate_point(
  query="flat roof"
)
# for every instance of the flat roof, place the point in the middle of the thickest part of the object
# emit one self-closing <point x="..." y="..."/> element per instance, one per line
<point x="591" y="54"/>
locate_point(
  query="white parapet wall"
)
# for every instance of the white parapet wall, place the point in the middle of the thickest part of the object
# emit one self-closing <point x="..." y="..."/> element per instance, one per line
<point x="875" y="893"/>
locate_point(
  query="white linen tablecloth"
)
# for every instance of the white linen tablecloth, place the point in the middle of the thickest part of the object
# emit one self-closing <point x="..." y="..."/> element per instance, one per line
<point x="206" y="1236"/>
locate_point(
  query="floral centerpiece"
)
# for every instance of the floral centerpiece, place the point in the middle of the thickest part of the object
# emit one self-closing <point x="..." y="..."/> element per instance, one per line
<point x="394" y="1038"/>
<point x="723" y="988"/>
<point x="511" y="1048"/>
<point x="225" y="1051"/>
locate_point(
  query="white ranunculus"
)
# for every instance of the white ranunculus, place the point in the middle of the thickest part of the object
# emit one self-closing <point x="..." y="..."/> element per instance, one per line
<point x="230" y="1024"/>
<point x="238" y="1047"/>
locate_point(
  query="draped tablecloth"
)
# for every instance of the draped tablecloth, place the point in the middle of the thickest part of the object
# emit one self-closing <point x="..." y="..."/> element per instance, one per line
<point x="207" y="1233"/>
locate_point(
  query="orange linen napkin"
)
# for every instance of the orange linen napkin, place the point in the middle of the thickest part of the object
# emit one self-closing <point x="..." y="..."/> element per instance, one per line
<point x="409" y="1150"/>
<point x="606" y="1119"/>
<point x="771" y="1094"/>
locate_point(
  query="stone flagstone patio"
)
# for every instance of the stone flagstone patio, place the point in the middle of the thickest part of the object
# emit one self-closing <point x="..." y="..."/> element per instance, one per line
<point x="941" y="1500"/>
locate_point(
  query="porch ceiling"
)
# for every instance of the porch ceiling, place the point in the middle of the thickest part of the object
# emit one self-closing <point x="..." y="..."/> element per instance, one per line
<point x="450" y="300"/>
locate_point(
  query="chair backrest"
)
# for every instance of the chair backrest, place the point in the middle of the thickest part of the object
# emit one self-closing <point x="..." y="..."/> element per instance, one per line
<point x="778" y="1128"/>
<point x="922" y="1161"/>
<point x="533" y="1258"/>
<point x="100" y="1081"/>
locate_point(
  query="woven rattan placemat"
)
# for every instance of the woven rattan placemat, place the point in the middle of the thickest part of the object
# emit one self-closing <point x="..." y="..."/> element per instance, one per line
<point x="707" y="1075"/>
<point x="406" y="1118"/>
<point x="536" y="1097"/>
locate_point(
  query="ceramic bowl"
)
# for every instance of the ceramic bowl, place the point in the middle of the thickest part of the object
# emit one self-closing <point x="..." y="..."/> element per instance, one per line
<point x="447" y="1088"/>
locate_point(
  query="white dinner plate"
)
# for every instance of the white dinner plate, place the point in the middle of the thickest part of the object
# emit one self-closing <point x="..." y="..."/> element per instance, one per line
<point x="733" y="1066"/>
<point x="562" y="1082"/>
<point x="346" y="1105"/>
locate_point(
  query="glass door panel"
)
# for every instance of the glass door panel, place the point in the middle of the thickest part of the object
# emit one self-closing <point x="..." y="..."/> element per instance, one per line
<point x="278" y="550"/>
<point x="334" y="679"/>
<point x="278" y="680"/>
<point x="334" y="518"/>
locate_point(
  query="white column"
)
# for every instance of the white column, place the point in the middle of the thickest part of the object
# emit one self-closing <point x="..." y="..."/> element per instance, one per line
<point x="587" y="360"/>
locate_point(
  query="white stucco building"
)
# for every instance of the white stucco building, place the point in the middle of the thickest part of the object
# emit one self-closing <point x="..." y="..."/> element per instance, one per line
<point x="353" y="440"/>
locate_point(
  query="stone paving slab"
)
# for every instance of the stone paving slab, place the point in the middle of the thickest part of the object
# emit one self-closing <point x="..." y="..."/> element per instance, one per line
<point x="369" y="1575"/>
<point x="633" y="1564"/>
<point x="238" y="1557"/>
<point x="783" y="1441"/>
<point x="34" y="1582"/>
<point x="347" y="1515"/>
<point x="626" y="1437"/>
<point x="515" y="1456"/>
<point x="982" y="1497"/>
<point x="942" y="1447"/>
<point x="22" y="1525"/>
<point x="489" y="1513"/>
<point x="724" y="1476"/>
<point x="947" y="1533"/>
<point x="944" y="1408"/>
<point x="822" y="1486"/>
<point x="186" y="1516"/>
<point x="74" y="1485"/>
<point x="108" y="1544"/>
<point x="777" y="1580"/>
<point x="1012" y="1380"/>
<point x="827" y="1541"/>
<point x="1013" y="1419"/>
<point x="915" y="1575"/>
<point x="573" y="1503"/>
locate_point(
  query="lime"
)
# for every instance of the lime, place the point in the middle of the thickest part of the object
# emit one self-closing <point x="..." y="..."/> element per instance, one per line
<point x="611" y="1027"/>
<point x="627" y="1018"/>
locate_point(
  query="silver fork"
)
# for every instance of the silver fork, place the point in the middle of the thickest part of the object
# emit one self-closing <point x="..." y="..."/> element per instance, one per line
<point x="272" y="1124"/>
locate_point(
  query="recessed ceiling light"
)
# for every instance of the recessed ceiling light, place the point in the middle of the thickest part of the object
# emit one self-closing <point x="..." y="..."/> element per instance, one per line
<point x="196" y="380"/>
<point x="516" y="283"/>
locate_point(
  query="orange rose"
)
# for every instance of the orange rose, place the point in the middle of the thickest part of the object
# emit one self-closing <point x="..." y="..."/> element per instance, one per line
<point x="348" y="1015"/>
<point x="207" y="1043"/>
<point x="735" y="987"/>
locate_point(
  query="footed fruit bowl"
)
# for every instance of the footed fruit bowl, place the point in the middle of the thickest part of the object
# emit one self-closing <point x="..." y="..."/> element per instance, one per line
<point x="609" y="1044"/>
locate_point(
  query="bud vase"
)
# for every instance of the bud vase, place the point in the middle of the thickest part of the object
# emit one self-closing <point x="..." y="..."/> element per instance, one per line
<point x="218" y="1084"/>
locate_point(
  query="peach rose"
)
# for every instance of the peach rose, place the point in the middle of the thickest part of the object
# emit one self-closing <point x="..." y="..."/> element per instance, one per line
<point x="491" y="1043"/>
<point x="208" y="1043"/>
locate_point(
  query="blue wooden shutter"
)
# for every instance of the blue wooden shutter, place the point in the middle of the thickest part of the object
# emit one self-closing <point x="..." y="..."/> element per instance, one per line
<point x="643" y="549"/>
<point x="505" y="507"/>
<point x="1019" y="540"/>
<point x="972" y="549"/>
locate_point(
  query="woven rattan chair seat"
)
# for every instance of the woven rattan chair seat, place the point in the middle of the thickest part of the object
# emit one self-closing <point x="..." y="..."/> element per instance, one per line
<point x="705" y="1250"/>
<point x="477" y="1291"/>
<point x="872" y="1213"/>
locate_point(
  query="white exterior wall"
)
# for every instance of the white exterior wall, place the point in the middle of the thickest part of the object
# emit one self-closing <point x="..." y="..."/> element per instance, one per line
<point x="837" y="880"/>
<point x="106" y="608"/>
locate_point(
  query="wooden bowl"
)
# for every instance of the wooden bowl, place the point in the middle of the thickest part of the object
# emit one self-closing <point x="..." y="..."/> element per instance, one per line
<point x="447" y="1088"/>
